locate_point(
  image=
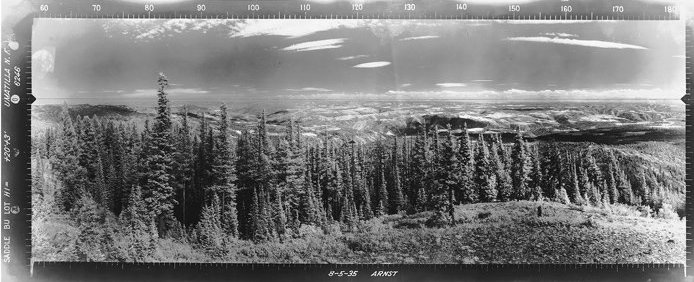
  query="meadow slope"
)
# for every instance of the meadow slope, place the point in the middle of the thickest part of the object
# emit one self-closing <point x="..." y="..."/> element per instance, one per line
<point x="509" y="232"/>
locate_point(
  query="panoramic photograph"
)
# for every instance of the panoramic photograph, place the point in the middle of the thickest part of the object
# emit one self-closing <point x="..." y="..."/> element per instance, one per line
<point x="358" y="141"/>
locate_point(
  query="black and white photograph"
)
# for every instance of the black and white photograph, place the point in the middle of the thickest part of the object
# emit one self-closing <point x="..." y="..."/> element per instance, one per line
<point x="358" y="141"/>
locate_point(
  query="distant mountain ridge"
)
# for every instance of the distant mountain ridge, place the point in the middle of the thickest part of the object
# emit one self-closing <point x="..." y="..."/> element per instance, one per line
<point x="601" y="123"/>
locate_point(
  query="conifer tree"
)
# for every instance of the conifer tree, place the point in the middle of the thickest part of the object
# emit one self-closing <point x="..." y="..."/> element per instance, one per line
<point x="395" y="198"/>
<point x="157" y="190"/>
<point x="66" y="163"/>
<point x="91" y="158"/>
<point x="357" y="180"/>
<point x="624" y="187"/>
<point x="419" y="171"/>
<point x="576" y="195"/>
<point x="183" y="168"/>
<point x="467" y="191"/>
<point x="503" y="183"/>
<point x="519" y="168"/>
<point x="365" y="196"/>
<point x="92" y="242"/>
<point x="203" y="165"/>
<point x="309" y="213"/>
<point x="138" y="228"/>
<point x="554" y="174"/>
<point x="640" y="186"/>
<point x="291" y="170"/>
<point x="610" y="179"/>
<point x="209" y="228"/>
<point x="595" y="175"/>
<point x="562" y="196"/>
<point x="485" y="179"/>
<point x="585" y="187"/>
<point x="265" y="181"/>
<point x="450" y="174"/>
<point x="535" y="182"/>
<point x="381" y="202"/>
<point x="278" y="212"/>
<point x="225" y="176"/>
<point x="256" y="228"/>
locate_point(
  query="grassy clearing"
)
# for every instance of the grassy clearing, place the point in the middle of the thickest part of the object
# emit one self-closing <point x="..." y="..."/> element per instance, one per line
<point x="508" y="232"/>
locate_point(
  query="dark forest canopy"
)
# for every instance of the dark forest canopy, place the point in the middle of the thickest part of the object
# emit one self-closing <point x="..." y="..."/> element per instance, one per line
<point x="172" y="179"/>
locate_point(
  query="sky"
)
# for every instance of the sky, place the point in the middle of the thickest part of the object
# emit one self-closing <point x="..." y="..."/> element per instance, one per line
<point x="118" y="61"/>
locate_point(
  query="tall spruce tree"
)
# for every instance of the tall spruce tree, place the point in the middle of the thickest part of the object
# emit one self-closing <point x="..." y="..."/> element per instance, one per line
<point x="484" y="178"/>
<point x="183" y="168"/>
<point x="503" y="178"/>
<point x="575" y="186"/>
<point x="91" y="158"/>
<point x="535" y="181"/>
<point x="265" y="177"/>
<point x="225" y="176"/>
<point x="450" y="173"/>
<point x="365" y="195"/>
<point x="520" y="169"/>
<point x="626" y="194"/>
<point x="610" y="178"/>
<point x="596" y="176"/>
<point x="419" y="170"/>
<point x="66" y="163"/>
<point x="157" y="190"/>
<point x="395" y="198"/>
<point x="467" y="192"/>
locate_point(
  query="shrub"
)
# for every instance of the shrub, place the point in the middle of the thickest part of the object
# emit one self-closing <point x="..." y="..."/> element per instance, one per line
<point x="484" y="215"/>
<point x="437" y="221"/>
<point x="170" y="250"/>
<point x="306" y="230"/>
<point x="645" y="211"/>
<point x="667" y="212"/>
<point x="590" y="223"/>
<point x="410" y="223"/>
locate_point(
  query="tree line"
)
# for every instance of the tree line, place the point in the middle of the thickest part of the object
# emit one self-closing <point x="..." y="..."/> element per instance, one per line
<point x="172" y="178"/>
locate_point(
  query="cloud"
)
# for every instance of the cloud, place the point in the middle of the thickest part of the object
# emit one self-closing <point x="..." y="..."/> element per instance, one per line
<point x="482" y="80"/>
<point x="171" y="92"/>
<point x="316" y="45"/>
<point x="157" y="1"/>
<point x="497" y="2"/>
<point x="352" y="57"/>
<point x="293" y="29"/>
<point x="335" y="1"/>
<point x="516" y="91"/>
<point x="451" y="84"/>
<point x="310" y="89"/>
<point x="372" y="65"/>
<point x="559" y="34"/>
<point x="578" y="42"/>
<point x="147" y="29"/>
<point x="555" y="22"/>
<point x="624" y="94"/>
<point x="419" y="37"/>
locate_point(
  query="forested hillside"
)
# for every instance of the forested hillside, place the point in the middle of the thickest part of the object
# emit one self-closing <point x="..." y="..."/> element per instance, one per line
<point x="122" y="188"/>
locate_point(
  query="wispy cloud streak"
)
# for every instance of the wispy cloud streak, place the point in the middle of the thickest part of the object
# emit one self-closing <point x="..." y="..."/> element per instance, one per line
<point x="577" y="42"/>
<point x="316" y="45"/>
<point x="372" y="65"/>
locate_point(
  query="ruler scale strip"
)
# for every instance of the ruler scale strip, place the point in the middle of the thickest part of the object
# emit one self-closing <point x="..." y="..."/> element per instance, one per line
<point x="551" y="10"/>
<point x="19" y="133"/>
